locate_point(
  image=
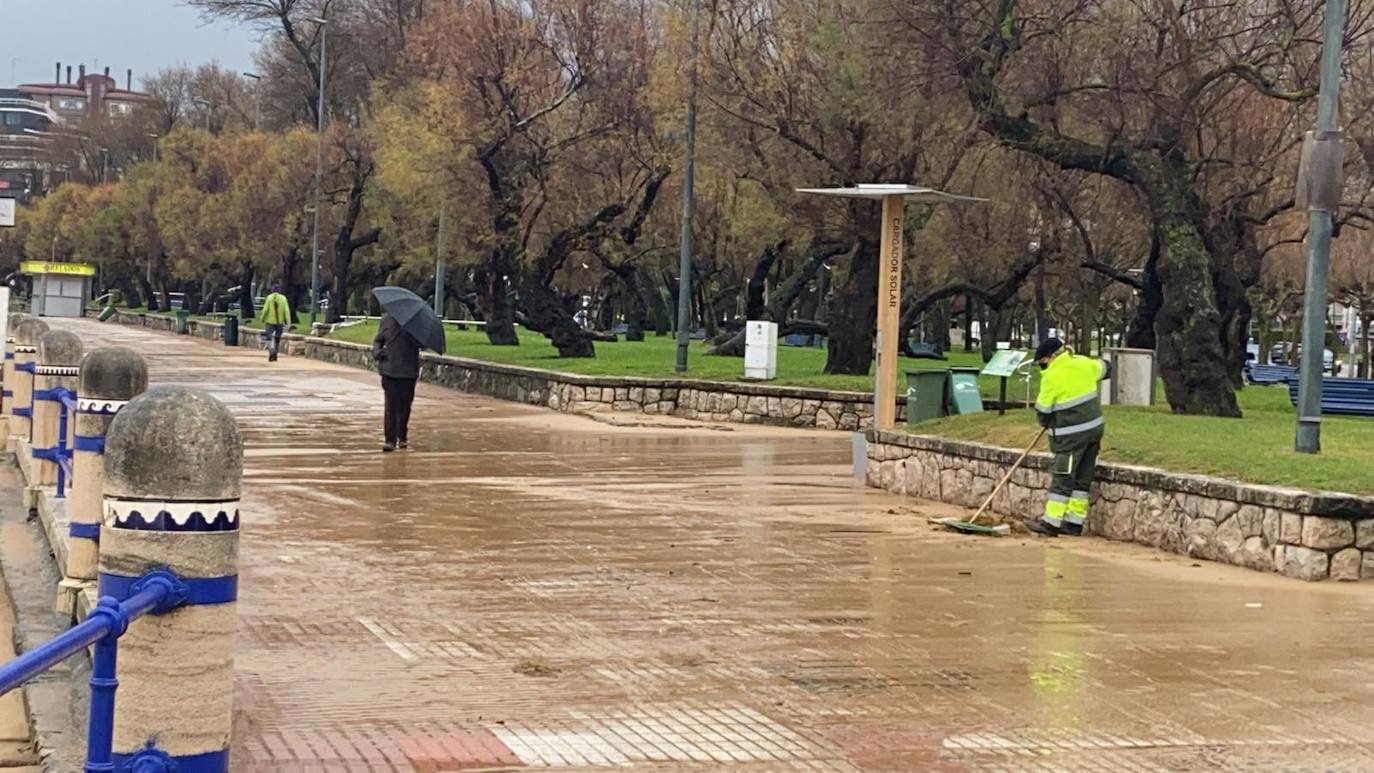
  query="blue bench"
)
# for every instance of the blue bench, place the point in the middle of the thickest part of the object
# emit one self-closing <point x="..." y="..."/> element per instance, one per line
<point x="1268" y="375"/>
<point x="1341" y="396"/>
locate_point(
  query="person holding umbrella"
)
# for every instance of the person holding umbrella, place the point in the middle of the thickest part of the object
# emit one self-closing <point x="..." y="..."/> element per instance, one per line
<point x="407" y="325"/>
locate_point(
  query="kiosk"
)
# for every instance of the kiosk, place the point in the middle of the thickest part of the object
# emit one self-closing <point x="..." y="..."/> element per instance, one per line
<point x="59" y="289"/>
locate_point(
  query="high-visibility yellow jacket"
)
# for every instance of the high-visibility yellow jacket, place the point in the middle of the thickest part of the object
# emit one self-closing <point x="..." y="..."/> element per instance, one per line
<point x="1069" y="403"/>
<point x="275" y="310"/>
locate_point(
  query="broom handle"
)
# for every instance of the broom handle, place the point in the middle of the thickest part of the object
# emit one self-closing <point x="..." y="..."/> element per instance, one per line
<point x="1007" y="477"/>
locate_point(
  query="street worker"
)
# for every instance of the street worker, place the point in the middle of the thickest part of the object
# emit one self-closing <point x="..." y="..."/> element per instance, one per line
<point x="398" y="361"/>
<point x="1069" y="407"/>
<point x="276" y="315"/>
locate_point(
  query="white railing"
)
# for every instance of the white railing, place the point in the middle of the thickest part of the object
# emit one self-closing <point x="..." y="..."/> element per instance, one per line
<point x="30" y="106"/>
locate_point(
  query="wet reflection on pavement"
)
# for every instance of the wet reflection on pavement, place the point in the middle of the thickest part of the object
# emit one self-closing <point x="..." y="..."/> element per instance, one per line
<point x="526" y="588"/>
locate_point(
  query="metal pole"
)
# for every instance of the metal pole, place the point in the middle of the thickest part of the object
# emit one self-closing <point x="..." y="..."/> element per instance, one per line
<point x="684" y="282"/>
<point x="439" y="263"/>
<point x="104" y="683"/>
<point x="1307" y="439"/>
<point x="319" y="172"/>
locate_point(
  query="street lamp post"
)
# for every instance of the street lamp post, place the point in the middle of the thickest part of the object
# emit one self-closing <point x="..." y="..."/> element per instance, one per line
<point x="209" y="111"/>
<point x="1308" y="433"/>
<point x="257" y="99"/>
<point x="684" y="280"/>
<point x="319" y="173"/>
<point x="439" y="261"/>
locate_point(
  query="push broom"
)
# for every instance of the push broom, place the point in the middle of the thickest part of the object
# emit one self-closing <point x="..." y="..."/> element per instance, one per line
<point x="971" y="526"/>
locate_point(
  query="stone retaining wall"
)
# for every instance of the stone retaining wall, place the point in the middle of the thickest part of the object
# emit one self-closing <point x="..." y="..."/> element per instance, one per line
<point x="1302" y="534"/>
<point x="685" y="398"/>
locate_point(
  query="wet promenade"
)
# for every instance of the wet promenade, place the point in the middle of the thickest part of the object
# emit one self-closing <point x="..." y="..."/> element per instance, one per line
<point x="529" y="589"/>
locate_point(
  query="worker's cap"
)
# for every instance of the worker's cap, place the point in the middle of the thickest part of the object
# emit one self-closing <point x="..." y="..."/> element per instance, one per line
<point x="276" y="287"/>
<point x="1048" y="347"/>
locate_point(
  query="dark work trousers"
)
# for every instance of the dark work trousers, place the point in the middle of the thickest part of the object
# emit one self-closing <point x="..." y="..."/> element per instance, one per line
<point x="1075" y="462"/>
<point x="273" y="341"/>
<point x="400" y="393"/>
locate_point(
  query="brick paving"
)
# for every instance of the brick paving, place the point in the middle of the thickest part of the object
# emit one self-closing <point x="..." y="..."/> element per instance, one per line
<point x="532" y="590"/>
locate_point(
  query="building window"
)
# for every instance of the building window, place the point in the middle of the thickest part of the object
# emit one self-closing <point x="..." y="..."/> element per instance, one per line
<point x="121" y="108"/>
<point x="71" y="103"/>
<point x="14" y="119"/>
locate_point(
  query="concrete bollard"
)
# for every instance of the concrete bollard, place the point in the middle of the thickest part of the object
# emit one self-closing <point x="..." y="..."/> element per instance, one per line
<point x="26" y="335"/>
<point x="7" y="372"/>
<point x="59" y="355"/>
<point x="110" y="377"/>
<point x="173" y="462"/>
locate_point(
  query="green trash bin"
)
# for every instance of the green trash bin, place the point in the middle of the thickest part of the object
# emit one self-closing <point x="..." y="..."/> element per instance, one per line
<point x="231" y="330"/>
<point x="925" y="394"/>
<point x="964" y="395"/>
<point x="106" y="313"/>
<point x="183" y="316"/>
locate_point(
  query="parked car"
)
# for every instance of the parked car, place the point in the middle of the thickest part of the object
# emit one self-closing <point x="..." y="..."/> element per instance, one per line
<point x="1279" y="355"/>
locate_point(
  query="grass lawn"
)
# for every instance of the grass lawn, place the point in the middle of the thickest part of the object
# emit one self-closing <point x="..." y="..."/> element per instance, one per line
<point x="655" y="357"/>
<point x="1256" y="448"/>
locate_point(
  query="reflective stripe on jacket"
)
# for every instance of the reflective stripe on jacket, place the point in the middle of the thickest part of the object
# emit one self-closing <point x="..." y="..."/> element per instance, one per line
<point x="1069" y="401"/>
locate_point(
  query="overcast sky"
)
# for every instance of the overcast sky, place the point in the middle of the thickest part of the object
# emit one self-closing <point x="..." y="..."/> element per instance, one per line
<point x="146" y="35"/>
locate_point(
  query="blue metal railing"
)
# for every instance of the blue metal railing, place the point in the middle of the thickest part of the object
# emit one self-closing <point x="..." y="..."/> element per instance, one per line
<point x="61" y="453"/>
<point x="157" y="592"/>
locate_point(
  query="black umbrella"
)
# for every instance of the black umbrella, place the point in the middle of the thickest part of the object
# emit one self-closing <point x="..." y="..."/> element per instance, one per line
<point x="414" y="315"/>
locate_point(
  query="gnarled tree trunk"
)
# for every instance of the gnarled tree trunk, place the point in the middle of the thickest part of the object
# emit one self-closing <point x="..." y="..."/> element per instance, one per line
<point x="853" y="313"/>
<point x="1188" y="327"/>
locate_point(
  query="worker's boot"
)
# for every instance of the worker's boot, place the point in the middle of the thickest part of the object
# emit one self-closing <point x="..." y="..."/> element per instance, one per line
<point x="1042" y="527"/>
<point x="1071" y="529"/>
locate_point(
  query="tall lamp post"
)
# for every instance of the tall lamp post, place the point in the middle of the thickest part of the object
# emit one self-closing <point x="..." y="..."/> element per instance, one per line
<point x="1320" y="183"/>
<point x="257" y="99"/>
<point x="684" y="280"/>
<point x="209" y="111"/>
<point x="439" y="260"/>
<point x="319" y="173"/>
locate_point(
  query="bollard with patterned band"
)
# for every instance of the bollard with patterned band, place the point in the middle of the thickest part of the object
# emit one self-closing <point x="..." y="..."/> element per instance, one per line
<point x="26" y="335"/>
<point x="110" y="377"/>
<point x="59" y="355"/>
<point x="173" y="462"/>
<point x="7" y="372"/>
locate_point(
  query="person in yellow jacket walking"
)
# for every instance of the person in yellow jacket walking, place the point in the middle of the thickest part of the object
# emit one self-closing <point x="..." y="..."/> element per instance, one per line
<point x="1069" y="406"/>
<point x="276" y="315"/>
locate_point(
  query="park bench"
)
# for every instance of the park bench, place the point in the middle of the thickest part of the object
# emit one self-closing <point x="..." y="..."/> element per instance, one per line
<point x="1268" y="375"/>
<point x="1341" y="396"/>
<point x="925" y="351"/>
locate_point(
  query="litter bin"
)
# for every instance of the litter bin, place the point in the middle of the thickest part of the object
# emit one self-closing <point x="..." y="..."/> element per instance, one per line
<point x="925" y="394"/>
<point x="106" y="313"/>
<point x="183" y="316"/>
<point x="964" y="394"/>
<point x="231" y="330"/>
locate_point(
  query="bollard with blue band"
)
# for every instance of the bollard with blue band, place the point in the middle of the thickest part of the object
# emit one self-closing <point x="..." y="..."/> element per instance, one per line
<point x="173" y="462"/>
<point x="7" y="370"/>
<point x="54" y="377"/>
<point x="110" y="377"/>
<point x="26" y="335"/>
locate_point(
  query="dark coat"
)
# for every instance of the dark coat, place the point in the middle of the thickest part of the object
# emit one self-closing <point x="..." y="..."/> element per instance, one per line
<point x="397" y="352"/>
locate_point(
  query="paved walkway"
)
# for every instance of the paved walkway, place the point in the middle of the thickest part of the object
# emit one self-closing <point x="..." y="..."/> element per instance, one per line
<point x="531" y="589"/>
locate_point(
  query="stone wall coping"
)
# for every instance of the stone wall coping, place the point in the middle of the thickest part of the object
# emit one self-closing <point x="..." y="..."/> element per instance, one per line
<point x="210" y="323"/>
<point x="577" y="379"/>
<point x="1329" y="504"/>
